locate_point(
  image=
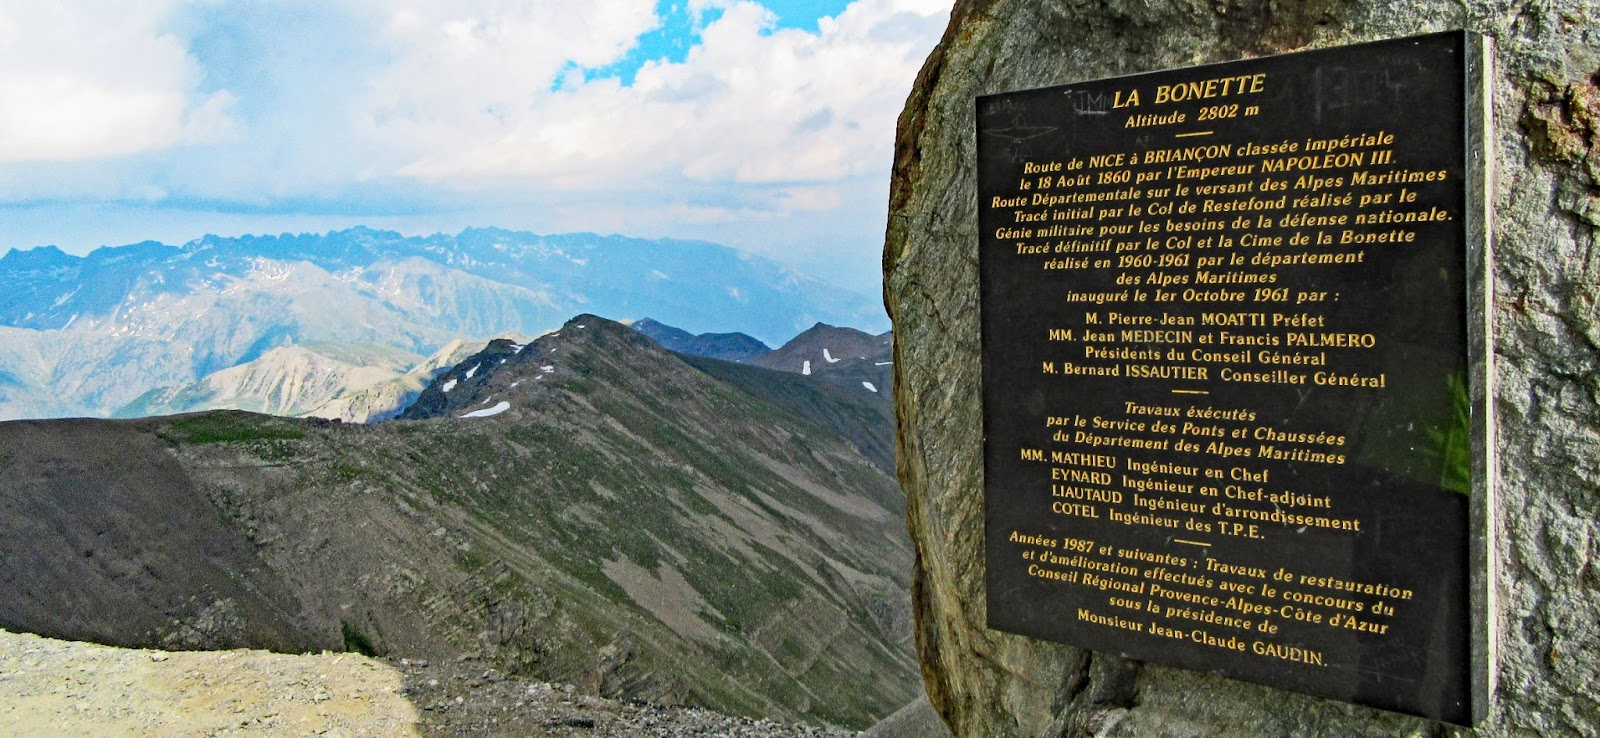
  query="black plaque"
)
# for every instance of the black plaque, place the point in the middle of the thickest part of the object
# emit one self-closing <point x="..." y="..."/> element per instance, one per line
<point x="1232" y="371"/>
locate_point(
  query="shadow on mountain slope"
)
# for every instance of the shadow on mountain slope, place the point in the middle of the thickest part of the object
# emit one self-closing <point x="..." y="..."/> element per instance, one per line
<point x="607" y="515"/>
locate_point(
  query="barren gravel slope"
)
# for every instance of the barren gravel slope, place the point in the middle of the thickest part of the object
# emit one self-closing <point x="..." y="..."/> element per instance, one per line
<point x="55" y="688"/>
<point x="63" y="688"/>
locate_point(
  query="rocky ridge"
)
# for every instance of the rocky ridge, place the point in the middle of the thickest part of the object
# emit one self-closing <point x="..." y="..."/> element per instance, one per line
<point x="586" y="508"/>
<point x="736" y="347"/>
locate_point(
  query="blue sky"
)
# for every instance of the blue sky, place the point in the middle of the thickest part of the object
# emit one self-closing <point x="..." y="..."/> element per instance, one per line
<point x="763" y="125"/>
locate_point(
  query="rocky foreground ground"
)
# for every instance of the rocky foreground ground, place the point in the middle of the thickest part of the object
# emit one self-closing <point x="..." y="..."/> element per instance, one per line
<point x="54" y="688"/>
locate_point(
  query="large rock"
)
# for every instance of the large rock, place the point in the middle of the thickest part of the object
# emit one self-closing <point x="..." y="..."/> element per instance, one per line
<point x="1547" y="276"/>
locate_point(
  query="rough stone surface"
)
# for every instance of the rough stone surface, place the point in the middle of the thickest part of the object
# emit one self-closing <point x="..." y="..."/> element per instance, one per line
<point x="1547" y="278"/>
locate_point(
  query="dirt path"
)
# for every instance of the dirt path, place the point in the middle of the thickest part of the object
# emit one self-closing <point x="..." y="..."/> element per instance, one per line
<point x="56" y="688"/>
<point x="60" y="688"/>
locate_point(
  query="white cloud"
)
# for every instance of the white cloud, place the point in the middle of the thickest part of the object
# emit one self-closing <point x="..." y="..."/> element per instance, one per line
<point x="484" y="96"/>
<point x="462" y="71"/>
<point x="437" y="114"/>
<point x="750" y="105"/>
<point x="86" y="80"/>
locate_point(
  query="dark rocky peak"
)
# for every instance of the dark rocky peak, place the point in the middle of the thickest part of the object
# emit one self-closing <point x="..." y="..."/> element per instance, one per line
<point x="508" y="377"/>
<point x="661" y="332"/>
<point x="737" y="347"/>
<point x="841" y="355"/>
<point x="829" y="343"/>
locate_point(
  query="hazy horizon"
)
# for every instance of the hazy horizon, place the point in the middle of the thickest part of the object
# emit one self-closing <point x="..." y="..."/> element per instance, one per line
<point x="179" y="244"/>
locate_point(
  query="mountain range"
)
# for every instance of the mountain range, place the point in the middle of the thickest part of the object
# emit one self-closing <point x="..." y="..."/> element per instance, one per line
<point x="737" y="347"/>
<point x="95" y="335"/>
<point x="367" y="384"/>
<point x="584" y="507"/>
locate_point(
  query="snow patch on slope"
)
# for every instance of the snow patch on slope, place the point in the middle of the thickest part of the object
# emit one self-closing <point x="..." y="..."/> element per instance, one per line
<point x="499" y="407"/>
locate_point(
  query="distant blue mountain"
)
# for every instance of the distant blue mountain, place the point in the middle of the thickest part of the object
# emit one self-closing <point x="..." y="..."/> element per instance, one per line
<point x="86" y="335"/>
<point x="695" y="285"/>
